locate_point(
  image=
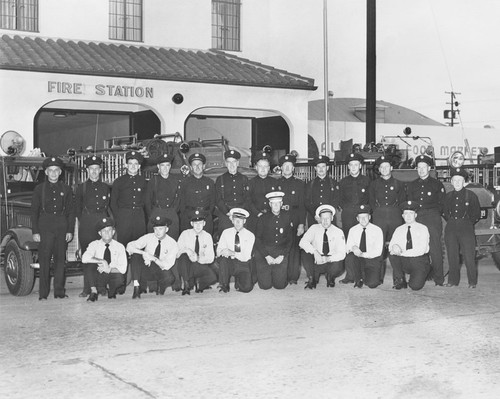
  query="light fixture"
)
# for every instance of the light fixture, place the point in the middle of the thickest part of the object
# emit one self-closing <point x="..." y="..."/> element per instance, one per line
<point x="59" y="114"/>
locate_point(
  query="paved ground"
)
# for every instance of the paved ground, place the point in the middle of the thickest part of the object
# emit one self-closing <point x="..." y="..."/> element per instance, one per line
<point x="327" y="343"/>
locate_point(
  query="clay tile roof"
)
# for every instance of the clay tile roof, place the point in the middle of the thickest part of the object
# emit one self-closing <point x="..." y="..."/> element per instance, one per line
<point x="24" y="53"/>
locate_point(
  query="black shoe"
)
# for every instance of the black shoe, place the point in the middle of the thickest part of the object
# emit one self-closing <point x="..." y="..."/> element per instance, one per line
<point x="121" y="290"/>
<point x="111" y="296"/>
<point x="359" y="284"/>
<point x="186" y="291"/>
<point x="137" y="293"/>
<point x="142" y="290"/>
<point x="42" y="299"/>
<point x="346" y="281"/>
<point x="331" y="283"/>
<point x="310" y="285"/>
<point x="63" y="296"/>
<point x="400" y="285"/>
<point x="439" y="284"/>
<point x="224" y="288"/>
<point x="92" y="297"/>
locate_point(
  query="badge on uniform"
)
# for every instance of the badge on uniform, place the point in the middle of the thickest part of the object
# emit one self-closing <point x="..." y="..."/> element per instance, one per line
<point x="466" y="204"/>
<point x="139" y="189"/>
<point x="362" y="190"/>
<point x="293" y="192"/>
<point x="429" y="193"/>
<point x="281" y="230"/>
<point x="104" y="197"/>
<point x="392" y="188"/>
<point x="62" y="194"/>
<point x="208" y="188"/>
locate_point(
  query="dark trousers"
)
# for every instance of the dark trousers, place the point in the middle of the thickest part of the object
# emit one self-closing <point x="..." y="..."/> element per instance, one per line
<point x="417" y="267"/>
<point x="459" y="238"/>
<point x="173" y="229"/>
<point x="432" y="219"/>
<point x="204" y="275"/>
<point x="364" y="269"/>
<point x="153" y="272"/>
<point x="242" y="272"/>
<point x="332" y="270"/>
<point x="86" y="234"/>
<point x="52" y="244"/>
<point x="388" y="218"/>
<point x="269" y="276"/>
<point x="294" y="264"/>
<point x="103" y="281"/>
<point x="130" y="224"/>
<point x="349" y="220"/>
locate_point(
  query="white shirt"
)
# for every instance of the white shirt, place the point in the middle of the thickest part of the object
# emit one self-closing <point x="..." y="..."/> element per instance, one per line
<point x="247" y="240"/>
<point x="374" y="240"/>
<point x="313" y="240"/>
<point x="148" y="243"/>
<point x="187" y="240"/>
<point x="118" y="255"/>
<point x="419" y="238"/>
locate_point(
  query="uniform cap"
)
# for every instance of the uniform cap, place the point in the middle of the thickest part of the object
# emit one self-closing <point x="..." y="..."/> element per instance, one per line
<point x="239" y="213"/>
<point x="287" y="158"/>
<point x="160" y="221"/>
<point x="275" y="196"/>
<point x="459" y="172"/>
<point x="53" y="161"/>
<point x="93" y="160"/>
<point x="164" y="158"/>
<point x="232" y="154"/>
<point x="103" y="223"/>
<point x="409" y="206"/>
<point x="384" y="158"/>
<point x="355" y="156"/>
<point x="323" y="209"/>
<point x="321" y="159"/>
<point x="261" y="155"/>
<point x="197" y="215"/>
<point x="197" y="157"/>
<point x="424" y="158"/>
<point x="134" y="155"/>
<point x="364" y="209"/>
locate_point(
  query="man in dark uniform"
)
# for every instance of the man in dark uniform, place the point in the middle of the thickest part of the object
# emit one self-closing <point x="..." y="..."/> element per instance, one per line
<point x="409" y="249"/>
<point x="92" y="205"/>
<point x="258" y="187"/>
<point x="353" y="192"/>
<point x="197" y="193"/>
<point x="429" y="193"/>
<point x="461" y="212"/>
<point x="273" y="242"/>
<point x="322" y="190"/>
<point x="162" y="195"/>
<point x="127" y="200"/>
<point x="231" y="188"/>
<point x="293" y="202"/>
<point x="53" y="224"/>
<point x="386" y="193"/>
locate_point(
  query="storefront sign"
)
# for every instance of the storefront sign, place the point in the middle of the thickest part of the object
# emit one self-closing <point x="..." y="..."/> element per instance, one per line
<point x="100" y="89"/>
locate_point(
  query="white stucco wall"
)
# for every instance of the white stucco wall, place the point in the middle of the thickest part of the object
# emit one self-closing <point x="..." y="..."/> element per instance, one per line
<point x="29" y="91"/>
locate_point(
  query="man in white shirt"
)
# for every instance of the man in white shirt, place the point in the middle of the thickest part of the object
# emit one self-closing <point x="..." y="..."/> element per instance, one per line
<point x="409" y="250"/>
<point x="364" y="247"/>
<point x="324" y="249"/>
<point x="153" y="259"/>
<point x="105" y="262"/>
<point x="195" y="258"/>
<point x="234" y="253"/>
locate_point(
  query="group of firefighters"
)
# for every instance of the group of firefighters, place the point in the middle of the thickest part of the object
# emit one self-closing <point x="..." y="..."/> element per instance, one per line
<point x="267" y="228"/>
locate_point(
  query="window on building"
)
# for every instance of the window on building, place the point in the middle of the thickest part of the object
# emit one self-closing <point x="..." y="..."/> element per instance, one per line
<point x="226" y="24"/>
<point x="125" y="20"/>
<point x="19" y="15"/>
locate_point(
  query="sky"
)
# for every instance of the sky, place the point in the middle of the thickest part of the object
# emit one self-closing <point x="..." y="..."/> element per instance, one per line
<point x="425" y="48"/>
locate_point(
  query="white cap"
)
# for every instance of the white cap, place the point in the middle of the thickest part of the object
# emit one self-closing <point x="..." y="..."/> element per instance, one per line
<point x="325" y="208"/>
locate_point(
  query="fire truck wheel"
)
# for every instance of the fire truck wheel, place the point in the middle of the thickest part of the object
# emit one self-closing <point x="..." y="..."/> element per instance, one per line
<point x="496" y="258"/>
<point x="19" y="275"/>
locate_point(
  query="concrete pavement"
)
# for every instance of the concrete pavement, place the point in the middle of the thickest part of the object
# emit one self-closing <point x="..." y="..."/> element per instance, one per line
<point x="326" y="343"/>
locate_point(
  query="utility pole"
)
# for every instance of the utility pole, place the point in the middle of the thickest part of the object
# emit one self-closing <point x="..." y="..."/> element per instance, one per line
<point x="452" y="113"/>
<point x="325" y="71"/>
<point x="371" y="70"/>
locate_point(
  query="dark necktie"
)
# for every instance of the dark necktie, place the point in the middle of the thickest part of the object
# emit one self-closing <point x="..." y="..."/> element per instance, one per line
<point x="237" y="247"/>
<point x="197" y="245"/>
<point x="107" y="254"/>
<point x="409" y="243"/>
<point x="158" y="249"/>
<point x="362" y="242"/>
<point x="326" y="246"/>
